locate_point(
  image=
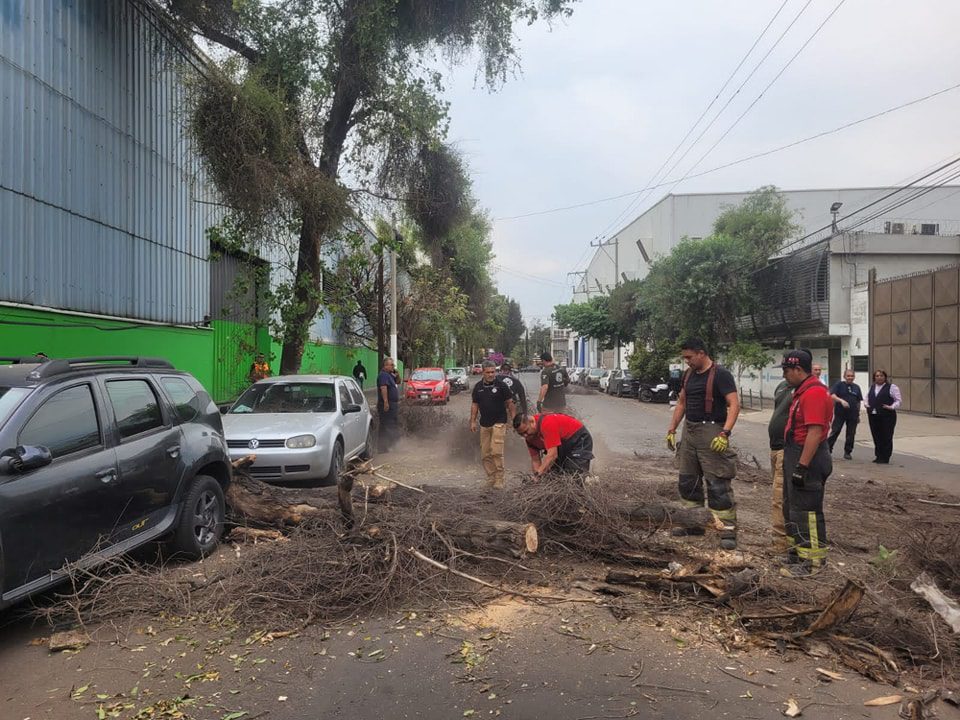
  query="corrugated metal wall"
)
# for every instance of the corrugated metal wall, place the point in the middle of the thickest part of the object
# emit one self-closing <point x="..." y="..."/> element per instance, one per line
<point x="99" y="188"/>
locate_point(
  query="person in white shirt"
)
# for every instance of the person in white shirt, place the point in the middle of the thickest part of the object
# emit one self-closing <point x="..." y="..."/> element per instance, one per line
<point x="818" y="374"/>
<point x="883" y="401"/>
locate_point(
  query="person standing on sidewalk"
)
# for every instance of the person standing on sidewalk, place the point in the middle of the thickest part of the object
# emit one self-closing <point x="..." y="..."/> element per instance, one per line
<point x="883" y="401"/>
<point x="806" y="466"/>
<point x="493" y="406"/>
<point x="359" y="373"/>
<point x="818" y="373"/>
<point x="553" y="385"/>
<point x="708" y="399"/>
<point x="847" y="395"/>
<point x="777" y="428"/>
<point x="388" y="400"/>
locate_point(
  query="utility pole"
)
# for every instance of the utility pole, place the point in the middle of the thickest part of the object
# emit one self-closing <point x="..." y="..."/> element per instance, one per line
<point x="379" y="283"/>
<point x="393" y="298"/>
<point x="582" y="275"/>
<point x="603" y="245"/>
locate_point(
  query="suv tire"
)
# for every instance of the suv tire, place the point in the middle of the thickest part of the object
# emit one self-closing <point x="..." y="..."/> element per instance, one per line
<point x="201" y="520"/>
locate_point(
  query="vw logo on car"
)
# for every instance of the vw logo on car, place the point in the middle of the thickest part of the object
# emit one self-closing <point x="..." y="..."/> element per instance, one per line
<point x="253" y="444"/>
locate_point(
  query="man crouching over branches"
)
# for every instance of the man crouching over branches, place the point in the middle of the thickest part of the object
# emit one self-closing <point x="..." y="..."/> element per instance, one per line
<point x="555" y="442"/>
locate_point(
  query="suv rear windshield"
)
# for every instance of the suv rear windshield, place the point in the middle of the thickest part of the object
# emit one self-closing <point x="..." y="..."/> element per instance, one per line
<point x="427" y="375"/>
<point x="286" y="398"/>
<point x="10" y="397"/>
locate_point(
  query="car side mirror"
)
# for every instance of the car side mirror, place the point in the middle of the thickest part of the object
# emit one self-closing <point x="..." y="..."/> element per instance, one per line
<point x="224" y="408"/>
<point x="352" y="408"/>
<point x="25" y="458"/>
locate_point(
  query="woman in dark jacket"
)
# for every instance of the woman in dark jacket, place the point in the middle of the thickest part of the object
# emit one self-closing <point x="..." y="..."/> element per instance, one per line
<point x="882" y="402"/>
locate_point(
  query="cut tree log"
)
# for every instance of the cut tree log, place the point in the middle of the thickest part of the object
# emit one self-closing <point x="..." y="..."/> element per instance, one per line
<point x="499" y="536"/>
<point x="268" y="505"/>
<point x="706" y="581"/>
<point x="256" y="501"/>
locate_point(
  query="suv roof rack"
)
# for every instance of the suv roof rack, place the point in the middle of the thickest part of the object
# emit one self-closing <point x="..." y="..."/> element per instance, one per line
<point x="23" y="360"/>
<point x="61" y="366"/>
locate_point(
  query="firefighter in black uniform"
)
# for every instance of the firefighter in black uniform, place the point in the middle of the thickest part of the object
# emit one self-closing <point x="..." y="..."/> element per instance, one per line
<point x="553" y="385"/>
<point x="708" y="406"/>
<point x="806" y="465"/>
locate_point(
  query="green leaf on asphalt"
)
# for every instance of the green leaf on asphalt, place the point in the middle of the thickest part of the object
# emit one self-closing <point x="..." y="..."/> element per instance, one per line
<point x="235" y="715"/>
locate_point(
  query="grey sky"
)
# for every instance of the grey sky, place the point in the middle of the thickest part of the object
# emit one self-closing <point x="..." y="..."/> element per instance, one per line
<point x="605" y="96"/>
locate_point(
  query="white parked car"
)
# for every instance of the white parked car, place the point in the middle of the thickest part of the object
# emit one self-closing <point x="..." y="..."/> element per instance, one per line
<point x="302" y="428"/>
<point x="604" y="381"/>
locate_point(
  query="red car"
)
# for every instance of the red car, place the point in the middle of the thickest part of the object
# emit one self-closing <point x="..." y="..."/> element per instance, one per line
<point x="428" y="385"/>
<point x="477" y="369"/>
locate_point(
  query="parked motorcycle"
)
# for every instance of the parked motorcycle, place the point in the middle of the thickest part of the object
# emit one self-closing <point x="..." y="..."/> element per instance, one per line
<point x="658" y="393"/>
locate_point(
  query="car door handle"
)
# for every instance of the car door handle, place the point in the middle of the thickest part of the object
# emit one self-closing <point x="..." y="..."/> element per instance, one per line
<point x="173" y="451"/>
<point x="107" y="476"/>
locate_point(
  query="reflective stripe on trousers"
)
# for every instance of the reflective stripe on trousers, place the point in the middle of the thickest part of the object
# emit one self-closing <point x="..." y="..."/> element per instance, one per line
<point x="803" y="506"/>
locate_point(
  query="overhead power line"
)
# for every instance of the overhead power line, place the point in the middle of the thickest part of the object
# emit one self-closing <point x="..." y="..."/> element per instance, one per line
<point x="730" y="99"/>
<point x="740" y="161"/>
<point x="656" y="175"/>
<point x="924" y="189"/>
<point x="763" y="92"/>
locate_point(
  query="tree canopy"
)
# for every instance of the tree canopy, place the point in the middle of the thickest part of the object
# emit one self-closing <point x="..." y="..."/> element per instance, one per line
<point x="312" y="91"/>
<point x="699" y="289"/>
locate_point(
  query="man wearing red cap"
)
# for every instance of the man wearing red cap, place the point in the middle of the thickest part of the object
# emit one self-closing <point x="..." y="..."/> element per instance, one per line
<point x="806" y="465"/>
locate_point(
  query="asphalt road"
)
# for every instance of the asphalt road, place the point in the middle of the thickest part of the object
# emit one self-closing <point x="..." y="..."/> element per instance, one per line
<point x="511" y="659"/>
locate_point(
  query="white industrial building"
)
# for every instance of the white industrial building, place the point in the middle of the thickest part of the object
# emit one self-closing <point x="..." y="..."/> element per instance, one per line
<point x="628" y="253"/>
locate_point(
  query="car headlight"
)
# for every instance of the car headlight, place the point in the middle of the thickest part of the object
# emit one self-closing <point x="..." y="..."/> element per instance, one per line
<point x="299" y="442"/>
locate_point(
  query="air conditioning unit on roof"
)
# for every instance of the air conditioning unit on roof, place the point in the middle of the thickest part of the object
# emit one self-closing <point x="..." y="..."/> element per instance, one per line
<point x="897" y="228"/>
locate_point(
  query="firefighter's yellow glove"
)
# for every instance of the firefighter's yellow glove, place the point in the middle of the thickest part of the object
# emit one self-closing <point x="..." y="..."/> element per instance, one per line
<point x="672" y="441"/>
<point x="720" y="444"/>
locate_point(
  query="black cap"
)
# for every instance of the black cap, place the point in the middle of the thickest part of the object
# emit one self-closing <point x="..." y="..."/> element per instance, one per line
<point x="798" y="358"/>
<point x="506" y="364"/>
<point x="546" y="357"/>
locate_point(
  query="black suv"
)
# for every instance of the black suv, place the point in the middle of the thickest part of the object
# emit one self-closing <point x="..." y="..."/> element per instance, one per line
<point x="99" y="456"/>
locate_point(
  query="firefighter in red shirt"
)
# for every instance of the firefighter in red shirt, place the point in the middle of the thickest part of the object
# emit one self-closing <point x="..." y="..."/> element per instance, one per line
<point x="806" y="465"/>
<point x="555" y="440"/>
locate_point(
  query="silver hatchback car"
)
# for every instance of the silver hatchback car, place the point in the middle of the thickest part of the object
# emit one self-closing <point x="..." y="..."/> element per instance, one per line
<point x="302" y="428"/>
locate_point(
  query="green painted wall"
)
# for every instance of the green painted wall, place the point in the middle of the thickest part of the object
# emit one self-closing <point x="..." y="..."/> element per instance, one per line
<point x="235" y="345"/>
<point x="24" y="332"/>
<point x="329" y="359"/>
<point x="219" y="356"/>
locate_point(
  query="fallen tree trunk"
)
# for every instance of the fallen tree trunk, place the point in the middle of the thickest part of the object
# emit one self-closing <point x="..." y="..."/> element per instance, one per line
<point x="260" y="503"/>
<point x="500" y="536"/>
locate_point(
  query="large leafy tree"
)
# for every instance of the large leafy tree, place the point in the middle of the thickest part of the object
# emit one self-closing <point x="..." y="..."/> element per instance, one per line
<point x="590" y="319"/>
<point x="703" y="286"/>
<point x="763" y="221"/>
<point x="513" y="327"/>
<point x="315" y="90"/>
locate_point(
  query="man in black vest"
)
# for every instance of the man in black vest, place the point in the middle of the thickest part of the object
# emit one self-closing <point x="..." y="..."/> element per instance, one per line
<point x="777" y="427"/>
<point x="883" y="401"/>
<point x="847" y="396"/>
<point x="710" y="403"/>
<point x="513" y="382"/>
<point x="553" y="385"/>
